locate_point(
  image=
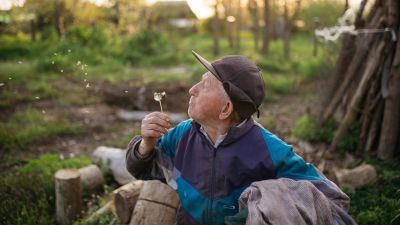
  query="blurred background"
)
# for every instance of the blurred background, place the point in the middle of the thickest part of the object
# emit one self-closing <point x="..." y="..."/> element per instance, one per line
<point x="78" y="74"/>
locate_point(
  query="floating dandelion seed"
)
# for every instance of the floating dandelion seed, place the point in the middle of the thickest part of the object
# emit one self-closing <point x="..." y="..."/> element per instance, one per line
<point x="85" y="65"/>
<point x="82" y="67"/>
<point x="84" y="80"/>
<point x="69" y="50"/>
<point x="19" y="62"/>
<point x="126" y="91"/>
<point x="55" y="53"/>
<point x="52" y="62"/>
<point x="1" y="84"/>
<point x="62" y="71"/>
<point x="78" y="63"/>
<point x="43" y="111"/>
<point x="37" y="97"/>
<point x="10" y="78"/>
<point x="85" y="73"/>
<point x="158" y="97"/>
<point x="87" y="85"/>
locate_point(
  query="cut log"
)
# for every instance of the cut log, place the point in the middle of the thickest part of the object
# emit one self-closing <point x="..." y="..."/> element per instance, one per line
<point x="68" y="195"/>
<point x="112" y="161"/>
<point x="157" y="204"/>
<point x="355" y="102"/>
<point x="91" y="178"/>
<point x="125" y="199"/>
<point x="355" y="178"/>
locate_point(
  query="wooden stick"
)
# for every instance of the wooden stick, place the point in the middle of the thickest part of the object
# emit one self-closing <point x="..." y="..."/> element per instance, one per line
<point x="356" y="100"/>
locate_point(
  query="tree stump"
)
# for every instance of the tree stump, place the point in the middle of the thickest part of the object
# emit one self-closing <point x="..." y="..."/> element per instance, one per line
<point x="157" y="204"/>
<point x="91" y="178"/>
<point x="125" y="199"/>
<point x="68" y="195"/>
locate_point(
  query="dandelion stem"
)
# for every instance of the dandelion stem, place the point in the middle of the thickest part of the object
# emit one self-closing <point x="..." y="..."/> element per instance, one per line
<point x="161" y="106"/>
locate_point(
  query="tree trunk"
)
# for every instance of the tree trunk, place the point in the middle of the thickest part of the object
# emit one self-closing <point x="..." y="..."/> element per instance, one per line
<point x="266" y="30"/>
<point x="238" y="25"/>
<point x="253" y="10"/>
<point x="215" y="30"/>
<point x="68" y="196"/>
<point x="229" y="24"/>
<point x="286" y="33"/>
<point x="33" y="30"/>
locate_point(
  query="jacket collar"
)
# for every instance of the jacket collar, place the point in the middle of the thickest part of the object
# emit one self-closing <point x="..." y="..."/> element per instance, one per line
<point x="234" y="132"/>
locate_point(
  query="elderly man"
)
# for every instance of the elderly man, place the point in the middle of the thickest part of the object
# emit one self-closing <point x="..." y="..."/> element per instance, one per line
<point x="213" y="157"/>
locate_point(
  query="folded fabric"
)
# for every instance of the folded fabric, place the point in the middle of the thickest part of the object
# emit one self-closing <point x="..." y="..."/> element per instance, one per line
<point x="289" y="202"/>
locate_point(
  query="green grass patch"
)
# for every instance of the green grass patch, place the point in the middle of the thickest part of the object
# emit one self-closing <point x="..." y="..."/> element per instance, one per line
<point x="306" y="128"/>
<point x="28" y="193"/>
<point x="31" y="126"/>
<point x="380" y="204"/>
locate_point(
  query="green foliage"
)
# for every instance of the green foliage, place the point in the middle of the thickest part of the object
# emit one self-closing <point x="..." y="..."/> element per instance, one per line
<point x="94" y="36"/>
<point x="148" y="47"/>
<point x="306" y="128"/>
<point x="280" y="83"/>
<point x="319" y="9"/>
<point x="30" y="126"/>
<point x="27" y="194"/>
<point x="380" y="204"/>
<point x="16" y="48"/>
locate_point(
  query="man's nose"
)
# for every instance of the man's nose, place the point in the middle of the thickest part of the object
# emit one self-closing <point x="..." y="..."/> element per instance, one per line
<point x="192" y="90"/>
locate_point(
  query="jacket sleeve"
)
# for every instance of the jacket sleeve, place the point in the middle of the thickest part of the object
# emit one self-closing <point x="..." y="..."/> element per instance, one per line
<point x="141" y="168"/>
<point x="159" y="164"/>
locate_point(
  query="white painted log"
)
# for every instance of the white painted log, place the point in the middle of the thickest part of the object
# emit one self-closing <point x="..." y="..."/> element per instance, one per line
<point x="157" y="204"/>
<point x="112" y="161"/>
<point x="68" y="195"/>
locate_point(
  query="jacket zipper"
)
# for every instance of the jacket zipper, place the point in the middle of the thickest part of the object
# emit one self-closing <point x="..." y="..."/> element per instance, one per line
<point x="212" y="187"/>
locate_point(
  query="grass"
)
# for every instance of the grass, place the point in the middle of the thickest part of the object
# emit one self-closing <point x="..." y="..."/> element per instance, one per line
<point x="306" y="128"/>
<point x="27" y="193"/>
<point x="32" y="126"/>
<point x="378" y="204"/>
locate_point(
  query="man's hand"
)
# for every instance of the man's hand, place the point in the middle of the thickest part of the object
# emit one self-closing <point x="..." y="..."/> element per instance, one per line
<point x="154" y="125"/>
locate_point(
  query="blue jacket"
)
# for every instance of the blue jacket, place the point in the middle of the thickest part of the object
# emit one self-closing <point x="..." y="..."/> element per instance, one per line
<point x="209" y="180"/>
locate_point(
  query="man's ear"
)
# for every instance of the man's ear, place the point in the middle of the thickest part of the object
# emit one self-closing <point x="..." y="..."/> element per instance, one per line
<point x="226" y="111"/>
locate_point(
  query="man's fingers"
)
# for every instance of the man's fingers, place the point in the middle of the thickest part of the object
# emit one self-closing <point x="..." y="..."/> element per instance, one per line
<point x="151" y="134"/>
<point x="156" y="120"/>
<point x="157" y="128"/>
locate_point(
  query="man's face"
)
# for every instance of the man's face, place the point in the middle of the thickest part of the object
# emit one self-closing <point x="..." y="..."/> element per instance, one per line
<point x="206" y="100"/>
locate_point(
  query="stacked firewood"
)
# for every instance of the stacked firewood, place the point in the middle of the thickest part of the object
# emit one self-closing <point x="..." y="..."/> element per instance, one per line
<point x="366" y="82"/>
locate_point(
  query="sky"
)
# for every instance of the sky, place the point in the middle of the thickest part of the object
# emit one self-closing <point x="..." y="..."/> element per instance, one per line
<point x="202" y="8"/>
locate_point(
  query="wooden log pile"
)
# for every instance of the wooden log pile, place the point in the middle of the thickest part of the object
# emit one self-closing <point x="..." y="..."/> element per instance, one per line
<point x="366" y="82"/>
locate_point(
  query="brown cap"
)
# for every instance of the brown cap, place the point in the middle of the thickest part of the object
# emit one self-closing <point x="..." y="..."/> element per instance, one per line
<point x="242" y="82"/>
